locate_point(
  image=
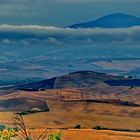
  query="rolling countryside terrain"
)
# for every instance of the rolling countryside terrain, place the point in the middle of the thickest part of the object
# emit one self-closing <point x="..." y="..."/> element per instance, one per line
<point x="86" y="98"/>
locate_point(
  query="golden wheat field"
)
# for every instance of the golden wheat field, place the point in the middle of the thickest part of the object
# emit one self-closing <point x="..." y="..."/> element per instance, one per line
<point x="90" y="134"/>
<point x="88" y="115"/>
<point x="99" y="135"/>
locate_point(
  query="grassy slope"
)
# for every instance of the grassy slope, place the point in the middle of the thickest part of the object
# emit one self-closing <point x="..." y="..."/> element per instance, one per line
<point x="65" y="114"/>
<point x="69" y="114"/>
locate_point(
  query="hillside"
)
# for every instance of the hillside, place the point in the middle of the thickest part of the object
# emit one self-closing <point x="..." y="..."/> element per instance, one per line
<point x="85" y="97"/>
<point x="22" y="104"/>
<point x="81" y="86"/>
<point x="79" y="79"/>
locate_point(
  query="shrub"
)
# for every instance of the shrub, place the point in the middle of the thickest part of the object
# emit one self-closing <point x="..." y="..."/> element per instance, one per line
<point x="78" y="126"/>
<point x="98" y="127"/>
<point x="55" y="136"/>
<point x="2" y="127"/>
<point x="32" y="111"/>
<point x="7" y="134"/>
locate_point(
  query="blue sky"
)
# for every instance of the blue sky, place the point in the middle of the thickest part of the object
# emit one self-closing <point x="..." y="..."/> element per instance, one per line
<point x="62" y="12"/>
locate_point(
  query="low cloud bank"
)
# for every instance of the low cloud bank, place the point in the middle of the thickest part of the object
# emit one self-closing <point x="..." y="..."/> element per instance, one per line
<point x="31" y="34"/>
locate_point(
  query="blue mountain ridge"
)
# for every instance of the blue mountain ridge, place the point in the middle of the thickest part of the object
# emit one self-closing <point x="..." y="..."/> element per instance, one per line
<point x="116" y="20"/>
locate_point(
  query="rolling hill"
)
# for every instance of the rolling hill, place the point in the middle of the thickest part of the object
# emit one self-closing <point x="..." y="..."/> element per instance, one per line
<point x="85" y="97"/>
<point x="81" y="86"/>
<point x="79" y="79"/>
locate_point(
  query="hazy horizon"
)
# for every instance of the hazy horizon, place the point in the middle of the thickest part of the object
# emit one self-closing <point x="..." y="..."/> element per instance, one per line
<point x="62" y="12"/>
<point x="48" y="50"/>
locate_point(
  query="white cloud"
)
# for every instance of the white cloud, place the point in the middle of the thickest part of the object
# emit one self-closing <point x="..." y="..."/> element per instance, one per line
<point x="60" y="36"/>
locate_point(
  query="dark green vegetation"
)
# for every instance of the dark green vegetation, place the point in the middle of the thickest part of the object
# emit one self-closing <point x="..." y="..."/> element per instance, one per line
<point x="32" y="111"/>
<point x="2" y="127"/>
<point x="78" y="126"/>
<point x="98" y="127"/>
<point x="115" y="129"/>
<point x="55" y="136"/>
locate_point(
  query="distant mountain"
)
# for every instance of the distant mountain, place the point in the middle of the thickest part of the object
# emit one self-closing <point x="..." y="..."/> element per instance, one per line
<point x="117" y="20"/>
